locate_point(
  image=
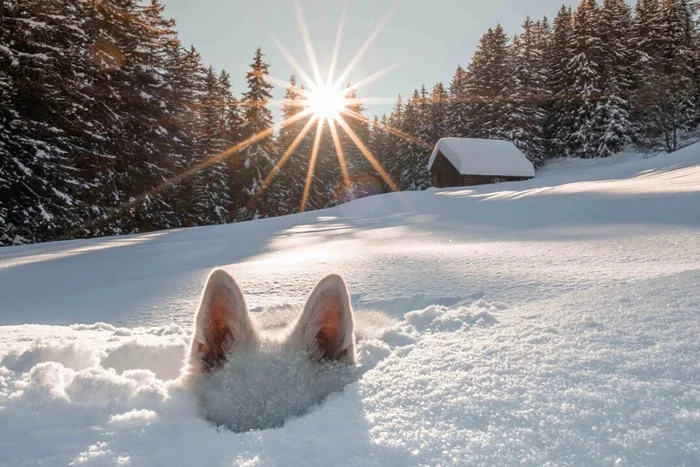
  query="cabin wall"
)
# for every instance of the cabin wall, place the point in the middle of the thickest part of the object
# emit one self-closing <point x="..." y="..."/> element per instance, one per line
<point x="444" y="173"/>
<point x="472" y="180"/>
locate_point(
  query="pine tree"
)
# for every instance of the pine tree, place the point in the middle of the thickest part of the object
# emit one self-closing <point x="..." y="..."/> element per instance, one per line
<point x="559" y="118"/>
<point x="457" y="121"/>
<point x="389" y="152"/>
<point x="360" y="169"/>
<point x="583" y="84"/>
<point x="38" y="138"/>
<point x="287" y="186"/>
<point x="489" y="72"/>
<point x="379" y="143"/>
<point x="256" y="161"/>
<point x="612" y="116"/>
<point x="177" y="72"/>
<point x="413" y="156"/>
<point x="527" y="93"/>
<point x="421" y="103"/>
<point x="664" y="98"/>
<point x="213" y="205"/>
<point x="437" y="112"/>
<point x="185" y="75"/>
<point x="326" y="184"/>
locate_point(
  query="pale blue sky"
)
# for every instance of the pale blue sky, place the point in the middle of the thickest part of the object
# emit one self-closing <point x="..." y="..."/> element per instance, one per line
<point x="430" y="37"/>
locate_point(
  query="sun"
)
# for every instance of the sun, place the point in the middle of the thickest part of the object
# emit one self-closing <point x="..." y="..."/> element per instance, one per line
<point x="326" y="102"/>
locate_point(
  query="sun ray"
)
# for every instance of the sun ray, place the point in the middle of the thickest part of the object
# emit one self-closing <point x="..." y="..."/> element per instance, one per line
<point x="312" y="165"/>
<point x="336" y="48"/>
<point x="364" y="47"/>
<point x="387" y="128"/>
<point x="271" y="102"/>
<point x="339" y="152"/>
<point x="282" y="161"/>
<point x="308" y="44"/>
<point x="285" y="84"/>
<point x="226" y="154"/>
<point x="293" y="62"/>
<point x="366" y="152"/>
<point x="373" y="77"/>
<point x="290" y="58"/>
<point x="370" y="101"/>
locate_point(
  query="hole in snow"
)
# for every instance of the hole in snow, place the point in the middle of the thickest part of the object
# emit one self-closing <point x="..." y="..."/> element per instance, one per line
<point x="264" y="388"/>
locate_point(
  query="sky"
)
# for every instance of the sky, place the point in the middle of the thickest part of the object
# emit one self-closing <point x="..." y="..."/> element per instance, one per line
<point x="427" y="38"/>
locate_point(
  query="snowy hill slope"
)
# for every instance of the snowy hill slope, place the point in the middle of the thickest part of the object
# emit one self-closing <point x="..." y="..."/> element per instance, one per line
<point x="552" y="321"/>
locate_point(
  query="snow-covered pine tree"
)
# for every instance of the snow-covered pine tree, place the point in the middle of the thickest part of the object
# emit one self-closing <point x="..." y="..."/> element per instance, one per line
<point x="379" y="141"/>
<point x="184" y="75"/>
<point x="559" y="118"/>
<point x="543" y="36"/>
<point x="695" y="8"/>
<point x="231" y="134"/>
<point x="527" y="93"/>
<point x="388" y="152"/>
<point x="612" y="117"/>
<point x="6" y="116"/>
<point x="438" y="106"/>
<point x="38" y="138"/>
<point x="422" y="108"/>
<point x="172" y="136"/>
<point x="360" y="169"/>
<point x="131" y="41"/>
<point x="456" y="121"/>
<point x="584" y="83"/>
<point x="327" y="174"/>
<point x="126" y="111"/>
<point x="211" y="188"/>
<point x="678" y="106"/>
<point x="489" y="72"/>
<point x="413" y="157"/>
<point x="666" y="87"/>
<point x="257" y="160"/>
<point x="287" y="186"/>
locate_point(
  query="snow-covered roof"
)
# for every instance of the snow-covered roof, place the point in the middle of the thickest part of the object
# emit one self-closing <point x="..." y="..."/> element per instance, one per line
<point x="484" y="157"/>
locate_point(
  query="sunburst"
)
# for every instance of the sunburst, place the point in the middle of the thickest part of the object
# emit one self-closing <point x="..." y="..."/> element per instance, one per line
<point x="328" y="101"/>
<point x="321" y="101"/>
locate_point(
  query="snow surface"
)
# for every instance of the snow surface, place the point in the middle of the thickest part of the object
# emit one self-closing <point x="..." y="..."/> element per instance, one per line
<point x="547" y="322"/>
<point x="484" y="157"/>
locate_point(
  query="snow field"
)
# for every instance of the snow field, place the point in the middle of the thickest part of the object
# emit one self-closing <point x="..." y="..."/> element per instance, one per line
<point x="548" y="322"/>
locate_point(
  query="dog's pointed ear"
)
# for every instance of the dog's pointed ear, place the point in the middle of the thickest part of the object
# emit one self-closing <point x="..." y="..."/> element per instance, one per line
<point x="222" y="323"/>
<point x="326" y="328"/>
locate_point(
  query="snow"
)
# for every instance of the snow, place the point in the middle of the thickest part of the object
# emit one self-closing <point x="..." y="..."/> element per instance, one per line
<point x="546" y="322"/>
<point x="484" y="157"/>
<point x="22" y="167"/>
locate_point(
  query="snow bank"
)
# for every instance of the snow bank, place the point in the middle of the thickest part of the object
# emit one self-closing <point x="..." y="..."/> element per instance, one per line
<point x="102" y="407"/>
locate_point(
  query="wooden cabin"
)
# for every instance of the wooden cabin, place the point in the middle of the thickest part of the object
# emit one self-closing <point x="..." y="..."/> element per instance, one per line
<point x="468" y="162"/>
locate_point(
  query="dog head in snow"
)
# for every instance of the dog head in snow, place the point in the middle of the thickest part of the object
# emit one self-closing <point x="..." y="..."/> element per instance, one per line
<point x="246" y="379"/>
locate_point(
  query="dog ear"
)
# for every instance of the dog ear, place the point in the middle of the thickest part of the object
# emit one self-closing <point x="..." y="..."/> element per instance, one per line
<point x="325" y="328"/>
<point x="222" y="323"/>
